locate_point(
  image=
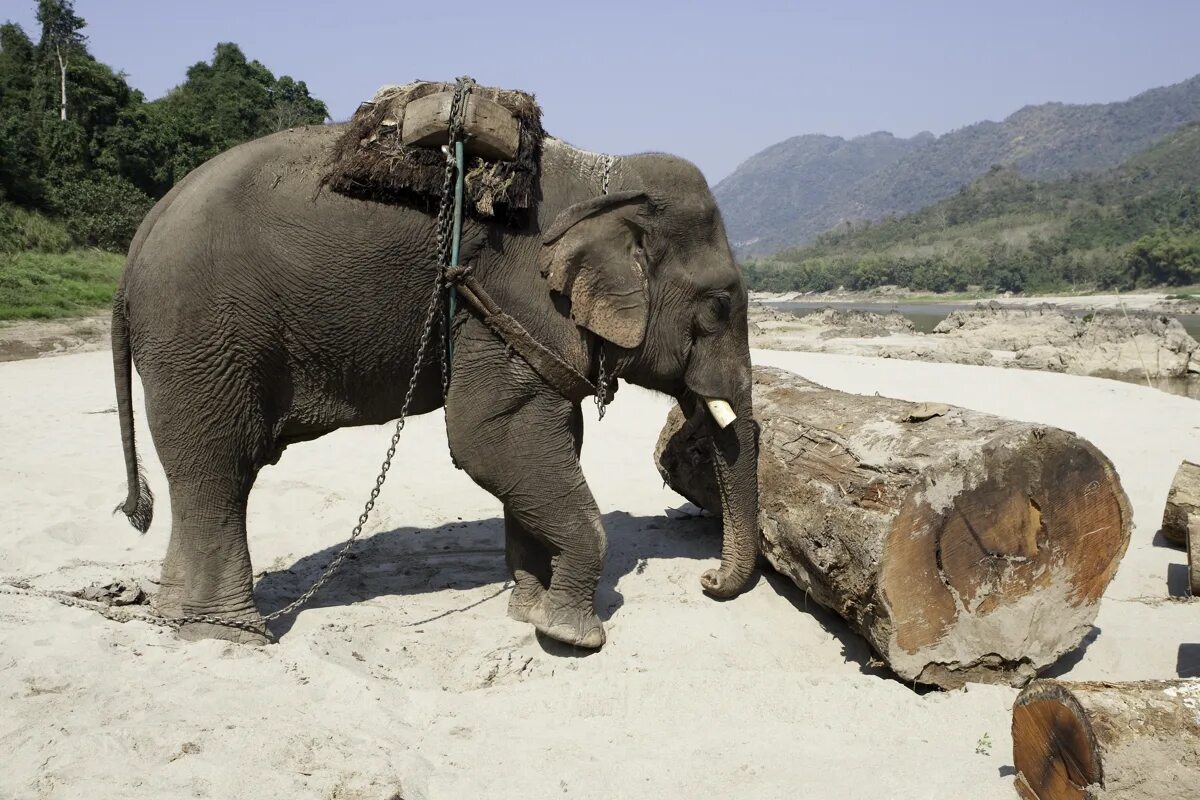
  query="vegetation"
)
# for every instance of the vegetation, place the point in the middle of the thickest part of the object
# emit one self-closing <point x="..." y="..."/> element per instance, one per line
<point x="792" y="191"/>
<point x="83" y="156"/>
<point x="45" y="285"/>
<point x="1134" y="225"/>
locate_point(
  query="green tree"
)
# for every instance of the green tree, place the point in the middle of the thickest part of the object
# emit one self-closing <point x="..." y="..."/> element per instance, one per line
<point x="230" y="101"/>
<point x="61" y="38"/>
<point x="19" y="155"/>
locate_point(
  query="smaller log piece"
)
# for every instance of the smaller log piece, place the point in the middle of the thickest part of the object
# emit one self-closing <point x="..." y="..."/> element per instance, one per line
<point x="1107" y="741"/>
<point x="492" y="132"/>
<point x="961" y="545"/>
<point x="1183" y="504"/>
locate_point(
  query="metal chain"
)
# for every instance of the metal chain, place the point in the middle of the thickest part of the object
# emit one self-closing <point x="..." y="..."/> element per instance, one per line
<point x="601" y="377"/>
<point x="444" y="222"/>
<point x="445" y="217"/>
<point x="601" y="383"/>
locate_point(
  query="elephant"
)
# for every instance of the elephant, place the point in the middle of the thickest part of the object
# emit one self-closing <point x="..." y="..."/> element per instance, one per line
<point x="261" y="309"/>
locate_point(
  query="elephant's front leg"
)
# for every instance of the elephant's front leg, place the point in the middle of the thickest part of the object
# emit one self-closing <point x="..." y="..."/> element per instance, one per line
<point x="528" y="557"/>
<point x="518" y="440"/>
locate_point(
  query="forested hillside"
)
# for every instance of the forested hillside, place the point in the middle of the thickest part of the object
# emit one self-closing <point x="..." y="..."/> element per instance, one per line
<point x="98" y="161"/>
<point x="793" y="191"/>
<point x="1135" y="225"/>
<point x="83" y="155"/>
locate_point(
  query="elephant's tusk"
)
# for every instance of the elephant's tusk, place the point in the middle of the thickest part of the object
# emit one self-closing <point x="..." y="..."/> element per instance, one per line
<point x="722" y="412"/>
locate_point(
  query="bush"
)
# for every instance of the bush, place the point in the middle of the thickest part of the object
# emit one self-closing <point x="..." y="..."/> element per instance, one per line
<point x="100" y="210"/>
<point x="1170" y="257"/>
<point x="21" y="229"/>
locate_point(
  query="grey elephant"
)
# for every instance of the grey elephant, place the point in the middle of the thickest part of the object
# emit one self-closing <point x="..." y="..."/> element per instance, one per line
<point x="262" y="311"/>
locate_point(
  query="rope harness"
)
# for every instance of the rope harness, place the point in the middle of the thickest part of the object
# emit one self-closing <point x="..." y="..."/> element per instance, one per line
<point x="451" y="281"/>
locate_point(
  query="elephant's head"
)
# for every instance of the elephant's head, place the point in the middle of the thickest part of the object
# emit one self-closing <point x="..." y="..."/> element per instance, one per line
<point x="649" y="270"/>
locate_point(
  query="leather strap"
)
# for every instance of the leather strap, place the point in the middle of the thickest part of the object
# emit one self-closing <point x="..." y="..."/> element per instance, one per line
<point x="560" y="375"/>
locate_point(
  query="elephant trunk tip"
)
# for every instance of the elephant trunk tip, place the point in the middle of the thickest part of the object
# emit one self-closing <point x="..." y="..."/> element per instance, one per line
<point x="726" y="582"/>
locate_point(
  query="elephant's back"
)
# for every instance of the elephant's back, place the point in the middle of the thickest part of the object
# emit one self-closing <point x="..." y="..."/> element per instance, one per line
<point x="258" y="204"/>
<point x="250" y="244"/>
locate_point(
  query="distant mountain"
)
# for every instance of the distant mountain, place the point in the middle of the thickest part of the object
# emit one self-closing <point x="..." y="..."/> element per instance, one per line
<point x="794" y="190"/>
<point x="1137" y="224"/>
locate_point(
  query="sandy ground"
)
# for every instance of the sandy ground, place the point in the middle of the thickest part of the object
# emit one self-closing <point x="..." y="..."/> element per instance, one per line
<point x="23" y="339"/>
<point x="405" y="678"/>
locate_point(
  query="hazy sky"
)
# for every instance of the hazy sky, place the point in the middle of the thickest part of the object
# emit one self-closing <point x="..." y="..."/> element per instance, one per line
<point x="714" y="82"/>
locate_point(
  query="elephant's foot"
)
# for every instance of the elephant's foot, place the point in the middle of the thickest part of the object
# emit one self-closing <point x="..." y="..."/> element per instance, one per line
<point x="249" y="629"/>
<point x="566" y="623"/>
<point x="525" y="595"/>
<point x="168" y="600"/>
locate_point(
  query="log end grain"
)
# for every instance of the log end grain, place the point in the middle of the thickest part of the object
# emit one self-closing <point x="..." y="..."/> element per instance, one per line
<point x="1001" y="573"/>
<point x="1054" y="748"/>
<point x="1135" y="741"/>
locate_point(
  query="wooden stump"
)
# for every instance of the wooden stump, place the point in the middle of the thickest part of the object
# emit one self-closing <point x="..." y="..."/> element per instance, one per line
<point x="961" y="545"/>
<point x="1181" y="518"/>
<point x="1183" y="504"/>
<point x="1193" y="556"/>
<point x="1126" y="741"/>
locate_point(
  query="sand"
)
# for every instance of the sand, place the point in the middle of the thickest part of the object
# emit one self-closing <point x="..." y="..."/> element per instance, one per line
<point x="406" y="679"/>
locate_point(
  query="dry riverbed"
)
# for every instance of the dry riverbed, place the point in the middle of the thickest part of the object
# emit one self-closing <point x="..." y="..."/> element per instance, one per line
<point x="46" y="337"/>
<point x="406" y="679"/>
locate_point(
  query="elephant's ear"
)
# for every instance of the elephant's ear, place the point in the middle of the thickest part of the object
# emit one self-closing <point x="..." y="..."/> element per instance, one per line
<point x="589" y="255"/>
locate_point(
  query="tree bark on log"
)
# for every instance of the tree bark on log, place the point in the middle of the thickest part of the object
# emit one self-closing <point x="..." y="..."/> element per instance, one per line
<point x="1183" y="504"/>
<point x="962" y="546"/>
<point x="1108" y="741"/>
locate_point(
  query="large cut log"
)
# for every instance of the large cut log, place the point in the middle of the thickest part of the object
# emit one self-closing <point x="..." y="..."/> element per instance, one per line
<point x="1183" y="504"/>
<point x="962" y="546"/>
<point x="1108" y="741"/>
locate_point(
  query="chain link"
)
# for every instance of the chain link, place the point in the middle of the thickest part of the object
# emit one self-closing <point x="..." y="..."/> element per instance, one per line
<point x="445" y="220"/>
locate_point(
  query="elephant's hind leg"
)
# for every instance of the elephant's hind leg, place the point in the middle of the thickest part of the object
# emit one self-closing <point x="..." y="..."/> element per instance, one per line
<point x="212" y="556"/>
<point x="207" y="569"/>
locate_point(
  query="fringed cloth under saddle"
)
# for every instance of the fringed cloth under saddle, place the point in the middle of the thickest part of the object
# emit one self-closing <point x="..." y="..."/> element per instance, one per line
<point x="371" y="161"/>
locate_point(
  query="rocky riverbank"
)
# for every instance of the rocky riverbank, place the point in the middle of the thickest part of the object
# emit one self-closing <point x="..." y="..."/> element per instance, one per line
<point x="1105" y="343"/>
<point x="1155" y="302"/>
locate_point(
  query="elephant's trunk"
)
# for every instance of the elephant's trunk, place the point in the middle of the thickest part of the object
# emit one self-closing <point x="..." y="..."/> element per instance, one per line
<point x="735" y="458"/>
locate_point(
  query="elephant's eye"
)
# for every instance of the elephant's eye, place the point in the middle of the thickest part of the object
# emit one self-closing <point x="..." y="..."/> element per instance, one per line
<point x="722" y="306"/>
<point x="714" y="312"/>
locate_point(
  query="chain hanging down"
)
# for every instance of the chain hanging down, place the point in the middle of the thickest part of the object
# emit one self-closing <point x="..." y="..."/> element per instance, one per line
<point x="602" y="393"/>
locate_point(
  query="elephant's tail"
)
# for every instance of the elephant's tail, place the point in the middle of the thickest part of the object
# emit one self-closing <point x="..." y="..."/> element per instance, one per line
<point x="139" y="502"/>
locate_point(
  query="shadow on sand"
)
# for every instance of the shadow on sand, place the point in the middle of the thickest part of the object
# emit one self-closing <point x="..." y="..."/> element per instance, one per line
<point x="470" y="555"/>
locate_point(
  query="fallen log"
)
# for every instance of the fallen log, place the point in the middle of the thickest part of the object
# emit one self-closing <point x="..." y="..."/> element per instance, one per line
<point x="962" y="546"/>
<point x="1114" y="741"/>
<point x="1183" y="504"/>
